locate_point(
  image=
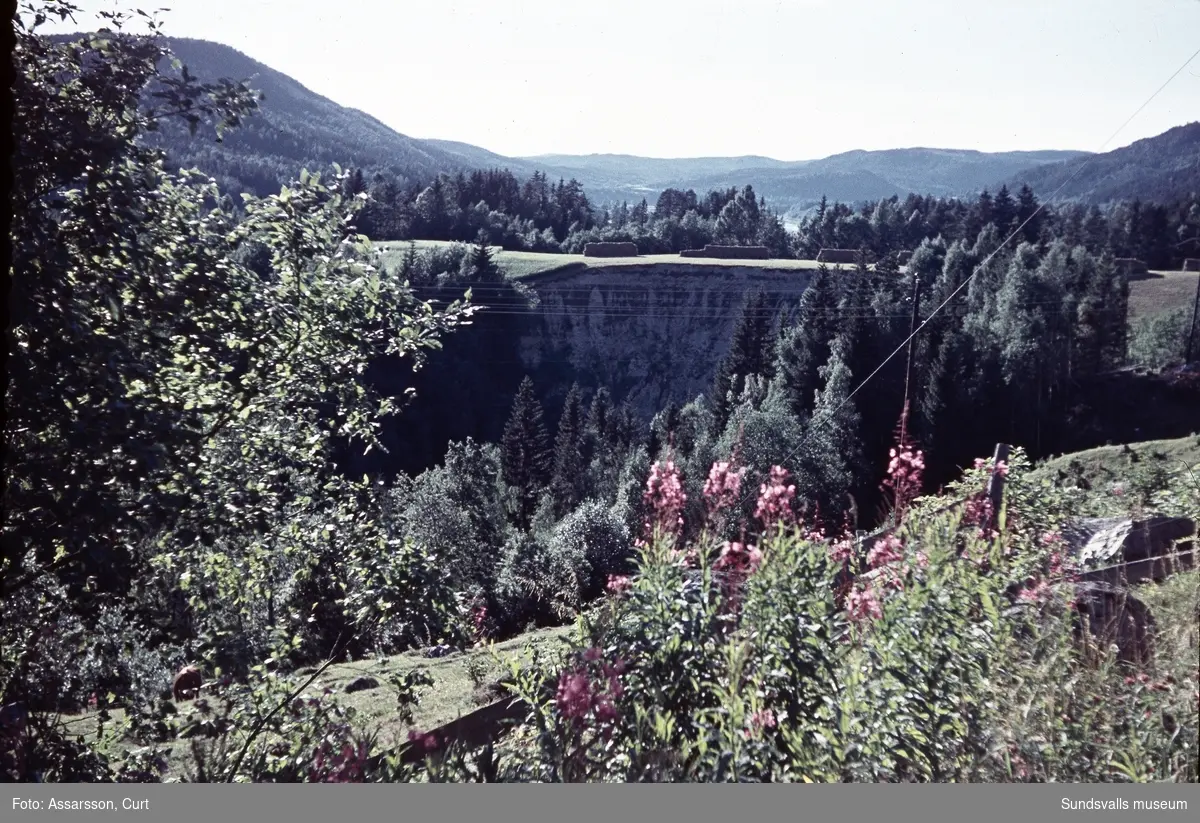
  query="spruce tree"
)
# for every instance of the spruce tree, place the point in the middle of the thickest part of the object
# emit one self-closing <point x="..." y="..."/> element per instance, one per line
<point x="749" y="353"/>
<point x="1005" y="211"/>
<point x="526" y="455"/>
<point x="567" y="481"/>
<point x="483" y="266"/>
<point x="804" y="346"/>
<point x="834" y="451"/>
<point x="1027" y="209"/>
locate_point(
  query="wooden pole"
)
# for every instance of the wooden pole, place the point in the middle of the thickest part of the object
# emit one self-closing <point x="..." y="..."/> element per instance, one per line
<point x="916" y="301"/>
<point x="995" y="487"/>
<point x="1187" y="357"/>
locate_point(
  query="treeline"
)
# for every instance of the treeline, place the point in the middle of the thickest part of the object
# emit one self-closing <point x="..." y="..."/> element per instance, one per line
<point x="1159" y="235"/>
<point x="538" y="215"/>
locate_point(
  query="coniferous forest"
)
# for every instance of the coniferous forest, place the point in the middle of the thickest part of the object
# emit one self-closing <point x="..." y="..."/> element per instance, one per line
<point x="241" y="440"/>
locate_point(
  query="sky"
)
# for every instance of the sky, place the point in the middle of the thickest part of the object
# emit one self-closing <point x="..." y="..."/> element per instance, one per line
<point x="789" y="79"/>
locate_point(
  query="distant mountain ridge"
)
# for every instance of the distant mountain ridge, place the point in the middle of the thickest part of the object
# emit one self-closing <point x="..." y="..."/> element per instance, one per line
<point x="1163" y="168"/>
<point x="297" y="128"/>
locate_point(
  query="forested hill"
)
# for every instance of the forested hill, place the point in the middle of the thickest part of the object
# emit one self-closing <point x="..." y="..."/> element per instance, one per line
<point x="1161" y="169"/>
<point x="294" y="128"/>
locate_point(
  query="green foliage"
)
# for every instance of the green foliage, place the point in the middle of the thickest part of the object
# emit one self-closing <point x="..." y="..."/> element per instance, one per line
<point x="687" y="677"/>
<point x="1159" y="340"/>
<point x="179" y="379"/>
<point x="526" y="453"/>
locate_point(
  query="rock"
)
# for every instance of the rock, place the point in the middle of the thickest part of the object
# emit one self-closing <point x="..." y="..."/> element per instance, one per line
<point x="440" y="650"/>
<point x="361" y="684"/>
<point x="1112" y="615"/>
<point x="1125" y="551"/>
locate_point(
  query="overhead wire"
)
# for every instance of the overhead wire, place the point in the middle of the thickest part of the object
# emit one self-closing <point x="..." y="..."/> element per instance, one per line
<point x="1079" y="167"/>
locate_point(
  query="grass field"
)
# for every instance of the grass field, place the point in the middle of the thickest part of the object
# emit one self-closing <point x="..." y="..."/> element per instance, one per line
<point x="1161" y="291"/>
<point x="1153" y="294"/>
<point x="1105" y="463"/>
<point x="460" y="684"/>
<point x="519" y="264"/>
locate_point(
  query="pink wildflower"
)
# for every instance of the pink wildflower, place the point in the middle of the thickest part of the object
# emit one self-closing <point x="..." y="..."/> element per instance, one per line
<point x="775" y="499"/>
<point x="738" y="557"/>
<point x="579" y="694"/>
<point x="574" y="696"/>
<point x="665" y="496"/>
<point x="722" y="486"/>
<point x="759" y="721"/>
<point x="1036" y="593"/>
<point x="886" y="551"/>
<point x="862" y="604"/>
<point x="618" y="584"/>
<point x="1001" y="469"/>
<point x="904" y="477"/>
<point x="842" y="551"/>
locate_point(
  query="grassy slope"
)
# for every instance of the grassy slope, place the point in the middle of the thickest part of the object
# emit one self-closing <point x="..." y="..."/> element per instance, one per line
<point x="459" y="686"/>
<point x="1105" y="463"/>
<point x="1160" y="292"/>
<point x="520" y="264"/>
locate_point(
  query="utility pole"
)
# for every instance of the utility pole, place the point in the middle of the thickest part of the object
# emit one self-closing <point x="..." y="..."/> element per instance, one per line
<point x="916" y="301"/>
<point x="1191" y="343"/>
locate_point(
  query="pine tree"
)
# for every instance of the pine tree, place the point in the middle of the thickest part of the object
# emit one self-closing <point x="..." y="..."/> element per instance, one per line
<point x="749" y="353"/>
<point x="526" y="455"/>
<point x="567" y="481"/>
<point x="1027" y="209"/>
<point x="483" y="266"/>
<point x="408" y="265"/>
<point x="834" y="449"/>
<point x="804" y="347"/>
<point x="1005" y="211"/>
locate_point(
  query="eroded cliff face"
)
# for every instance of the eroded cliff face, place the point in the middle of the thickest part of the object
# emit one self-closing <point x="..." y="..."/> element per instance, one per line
<point x="651" y="334"/>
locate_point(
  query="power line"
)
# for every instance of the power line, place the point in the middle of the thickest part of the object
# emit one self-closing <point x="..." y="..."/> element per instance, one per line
<point x="813" y="422"/>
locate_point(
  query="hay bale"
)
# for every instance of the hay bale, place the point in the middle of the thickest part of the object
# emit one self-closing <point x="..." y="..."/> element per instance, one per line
<point x="1191" y="264"/>
<point x="610" y="250"/>
<point x="692" y="253"/>
<point x="1130" y="265"/>
<point x="849" y="256"/>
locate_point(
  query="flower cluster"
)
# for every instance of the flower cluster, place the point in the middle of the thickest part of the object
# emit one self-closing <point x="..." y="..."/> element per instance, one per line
<point x="739" y="558"/>
<point x="722" y="487"/>
<point x="479" y="615"/>
<point x="344" y="764"/>
<point x="775" y="499"/>
<point x="665" y="497"/>
<point x="904" y="477"/>
<point x="978" y="512"/>
<point x="581" y="693"/>
<point x="618" y="584"/>
<point x="886" y="551"/>
<point x="842" y="551"/>
<point x="862" y="604"/>
<point x="760" y="721"/>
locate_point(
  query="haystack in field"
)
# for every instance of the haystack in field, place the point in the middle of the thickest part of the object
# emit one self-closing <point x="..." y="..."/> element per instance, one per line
<point x="849" y="256"/>
<point x="610" y="250"/>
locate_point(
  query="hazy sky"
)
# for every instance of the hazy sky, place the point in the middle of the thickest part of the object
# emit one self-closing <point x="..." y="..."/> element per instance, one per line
<point x="791" y="79"/>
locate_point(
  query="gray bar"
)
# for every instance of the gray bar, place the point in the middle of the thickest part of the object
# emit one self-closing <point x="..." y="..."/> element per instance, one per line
<point x="989" y="803"/>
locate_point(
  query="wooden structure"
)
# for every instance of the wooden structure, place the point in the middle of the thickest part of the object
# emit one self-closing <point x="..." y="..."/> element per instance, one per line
<point x="610" y="250"/>
<point x="729" y="252"/>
